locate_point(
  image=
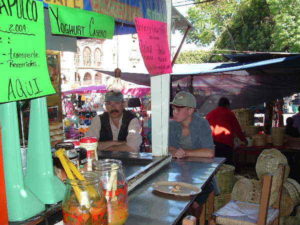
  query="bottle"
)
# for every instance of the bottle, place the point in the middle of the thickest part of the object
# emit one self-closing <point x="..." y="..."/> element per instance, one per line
<point x="115" y="189"/>
<point x="84" y="202"/>
<point x="90" y="144"/>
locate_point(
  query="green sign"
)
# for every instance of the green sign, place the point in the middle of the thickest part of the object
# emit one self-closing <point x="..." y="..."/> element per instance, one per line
<point x="23" y="67"/>
<point x="80" y="23"/>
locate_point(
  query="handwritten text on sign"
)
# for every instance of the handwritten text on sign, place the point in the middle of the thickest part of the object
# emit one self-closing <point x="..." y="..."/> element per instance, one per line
<point x="154" y="45"/>
<point x="69" y="3"/>
<point x="23" y="67"/>
<point x="81" y="23"/>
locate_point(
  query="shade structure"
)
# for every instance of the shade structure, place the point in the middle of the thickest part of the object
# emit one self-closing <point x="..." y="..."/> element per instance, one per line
<point x="138" y="91"/>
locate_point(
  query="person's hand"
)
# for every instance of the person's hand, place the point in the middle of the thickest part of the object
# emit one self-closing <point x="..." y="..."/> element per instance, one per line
<point x="179" y="153"/>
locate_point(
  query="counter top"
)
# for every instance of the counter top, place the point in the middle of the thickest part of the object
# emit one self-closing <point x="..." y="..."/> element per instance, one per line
<point x="148" y="208"/>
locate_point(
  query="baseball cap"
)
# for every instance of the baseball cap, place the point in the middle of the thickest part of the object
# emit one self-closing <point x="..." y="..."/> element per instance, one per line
<point x="113" y="96"/>
<point x="184" y="98"/>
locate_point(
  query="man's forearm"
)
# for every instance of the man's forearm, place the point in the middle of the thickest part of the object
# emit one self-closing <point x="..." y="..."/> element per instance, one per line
<point x="120" y="147"/>
<point x="104" y="145"/>
<point x="202" y="152"/>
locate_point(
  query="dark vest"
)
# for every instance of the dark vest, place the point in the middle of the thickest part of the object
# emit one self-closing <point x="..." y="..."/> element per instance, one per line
<point x="106" y="133"/>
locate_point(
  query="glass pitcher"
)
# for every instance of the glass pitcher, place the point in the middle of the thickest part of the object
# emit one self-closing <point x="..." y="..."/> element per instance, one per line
<point x="115" y="189"/>
<point x="84" y="202"/>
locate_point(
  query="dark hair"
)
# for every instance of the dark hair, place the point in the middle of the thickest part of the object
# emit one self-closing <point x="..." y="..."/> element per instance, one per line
<point x="289" y="121"/>
<point x="224" y="102"/>
<point x="299" y="108"/>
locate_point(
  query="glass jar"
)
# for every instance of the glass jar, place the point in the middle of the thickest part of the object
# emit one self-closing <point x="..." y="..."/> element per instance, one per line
<point x="115" y="189"/>
<point x="84" y="202"/>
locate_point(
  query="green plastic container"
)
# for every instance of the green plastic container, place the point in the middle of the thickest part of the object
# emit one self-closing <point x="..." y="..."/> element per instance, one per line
<point x="40" y="176"/>
<point x="22" y="203"/>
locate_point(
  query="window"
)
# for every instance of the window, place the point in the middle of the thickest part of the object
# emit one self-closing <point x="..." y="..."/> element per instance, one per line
<point x="87" y="79"/>
<point x="87" y="57"/>
<point x="97" y="57"/>
<point x="77" y="78"/>
<point x="98" y="78"/>
<point x="77" y="57"/>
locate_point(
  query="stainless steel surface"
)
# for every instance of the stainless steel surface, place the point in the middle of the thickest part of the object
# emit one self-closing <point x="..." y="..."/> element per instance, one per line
<point x="137" y="166"/>
<point x="149" y="208"/>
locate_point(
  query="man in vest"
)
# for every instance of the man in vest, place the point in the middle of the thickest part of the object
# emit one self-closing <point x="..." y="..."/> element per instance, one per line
<point x="116" y="129"/>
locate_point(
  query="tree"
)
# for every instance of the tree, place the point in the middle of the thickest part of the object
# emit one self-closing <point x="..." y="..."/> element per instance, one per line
<point x="199" y="56"/>
<point x="255" y="25"/>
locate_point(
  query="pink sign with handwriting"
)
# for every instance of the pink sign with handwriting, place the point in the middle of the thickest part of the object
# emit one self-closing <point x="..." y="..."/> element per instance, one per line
<point x="154" y="45"/>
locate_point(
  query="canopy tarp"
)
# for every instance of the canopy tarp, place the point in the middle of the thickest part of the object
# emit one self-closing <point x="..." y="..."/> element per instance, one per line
<point x="134" y="91"/>
<point x="245" y="84"/>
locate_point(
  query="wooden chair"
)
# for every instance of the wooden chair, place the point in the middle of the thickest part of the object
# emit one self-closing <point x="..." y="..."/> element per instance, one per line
<point x="245" y="213"/>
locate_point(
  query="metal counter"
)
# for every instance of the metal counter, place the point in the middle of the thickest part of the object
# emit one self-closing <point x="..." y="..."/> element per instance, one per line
<point x="149" y="208"/>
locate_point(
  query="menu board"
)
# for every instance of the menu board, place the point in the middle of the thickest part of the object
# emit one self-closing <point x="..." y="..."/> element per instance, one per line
<point x="23" y="67"/>
<point x="153" y="41"/>
<point x="80" y="23"/>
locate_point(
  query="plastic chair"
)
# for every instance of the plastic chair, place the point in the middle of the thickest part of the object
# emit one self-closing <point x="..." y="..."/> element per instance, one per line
<point x="245" y="213"/>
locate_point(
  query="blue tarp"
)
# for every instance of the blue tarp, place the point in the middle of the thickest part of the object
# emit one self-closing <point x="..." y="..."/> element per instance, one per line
<point x="245" y="84"/>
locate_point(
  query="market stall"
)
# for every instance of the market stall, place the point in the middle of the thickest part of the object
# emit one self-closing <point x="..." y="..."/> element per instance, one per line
<point x="34" y="195"/>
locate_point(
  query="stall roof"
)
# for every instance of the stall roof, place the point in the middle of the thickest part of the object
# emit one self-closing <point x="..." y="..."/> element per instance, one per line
<point x="282" y="65"/>
<point x="179" y="21"/>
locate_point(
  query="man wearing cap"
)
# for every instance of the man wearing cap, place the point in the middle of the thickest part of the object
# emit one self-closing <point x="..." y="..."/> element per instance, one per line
<point x="116" y="129"/>
<point x="189" y="133"/>
<point x="190" y="136"/>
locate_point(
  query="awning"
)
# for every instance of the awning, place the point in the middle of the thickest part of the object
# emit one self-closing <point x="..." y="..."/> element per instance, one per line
<point x="274" y="66"/>
<point x="245" y="84"/>
<point x="139" y="91"/>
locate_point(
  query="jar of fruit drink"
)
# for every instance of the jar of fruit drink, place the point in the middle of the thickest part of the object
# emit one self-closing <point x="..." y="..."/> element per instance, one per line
<point x="84" y="202"/>
<point x="115" y="189"/>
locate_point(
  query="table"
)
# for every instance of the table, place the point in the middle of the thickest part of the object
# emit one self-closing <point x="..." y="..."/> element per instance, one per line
<point x="149" y="208"/>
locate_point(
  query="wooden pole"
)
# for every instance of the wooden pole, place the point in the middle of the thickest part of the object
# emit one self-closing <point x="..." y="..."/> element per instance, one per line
<point x="3" y="203"/>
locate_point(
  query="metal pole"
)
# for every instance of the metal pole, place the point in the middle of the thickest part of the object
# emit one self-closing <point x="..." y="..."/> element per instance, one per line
<point x="180" y="46"/>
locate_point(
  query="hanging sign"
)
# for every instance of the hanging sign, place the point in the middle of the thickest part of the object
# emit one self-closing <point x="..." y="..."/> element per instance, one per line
<point x="80" y="23"/>
<point x="23" y="66"/>
<point x="70" y="3"/>
<point x="153" y="41"/>
<point x="123" y="11"/>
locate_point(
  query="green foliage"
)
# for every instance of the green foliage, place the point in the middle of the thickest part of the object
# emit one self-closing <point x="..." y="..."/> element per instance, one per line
<point x="209" y="20"/>
<point x="199" y="56"/>
<point x="286" y="33"/>
<point x="254" y="25"/>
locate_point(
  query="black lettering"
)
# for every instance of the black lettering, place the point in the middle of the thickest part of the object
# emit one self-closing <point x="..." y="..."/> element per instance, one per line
<point x="34" y="11"/>
<point x="3" y="5"/>
<point x="11" y="5"/>
<point x="56" y="17"/>
<point x="29" y="84"/>
<point x="19" y="87"/>
<point x="90" y="25"/>
<point x="37" y="86"/>
<point x="10" y="90"/>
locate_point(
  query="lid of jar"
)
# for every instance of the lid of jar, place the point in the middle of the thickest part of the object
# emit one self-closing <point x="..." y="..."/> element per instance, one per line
<point x="74" y="141"/>
<point x="65" y="145"/>
<point x="88" y="140"/>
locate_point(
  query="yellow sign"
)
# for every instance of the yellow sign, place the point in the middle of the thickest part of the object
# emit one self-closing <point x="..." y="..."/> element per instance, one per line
<point x="69" y="3"/>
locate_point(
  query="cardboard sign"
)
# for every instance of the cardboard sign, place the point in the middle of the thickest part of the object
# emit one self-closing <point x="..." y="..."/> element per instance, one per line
<point x="154" y="45"/>
<point x="70" y="3"/>
<point x="23" y="67"/>
<point x="80" y="23"/>
<point x="123" y="11"/>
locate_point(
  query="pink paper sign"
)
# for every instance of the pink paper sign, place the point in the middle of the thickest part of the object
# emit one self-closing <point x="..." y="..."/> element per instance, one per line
<point x="154" y="45"/>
